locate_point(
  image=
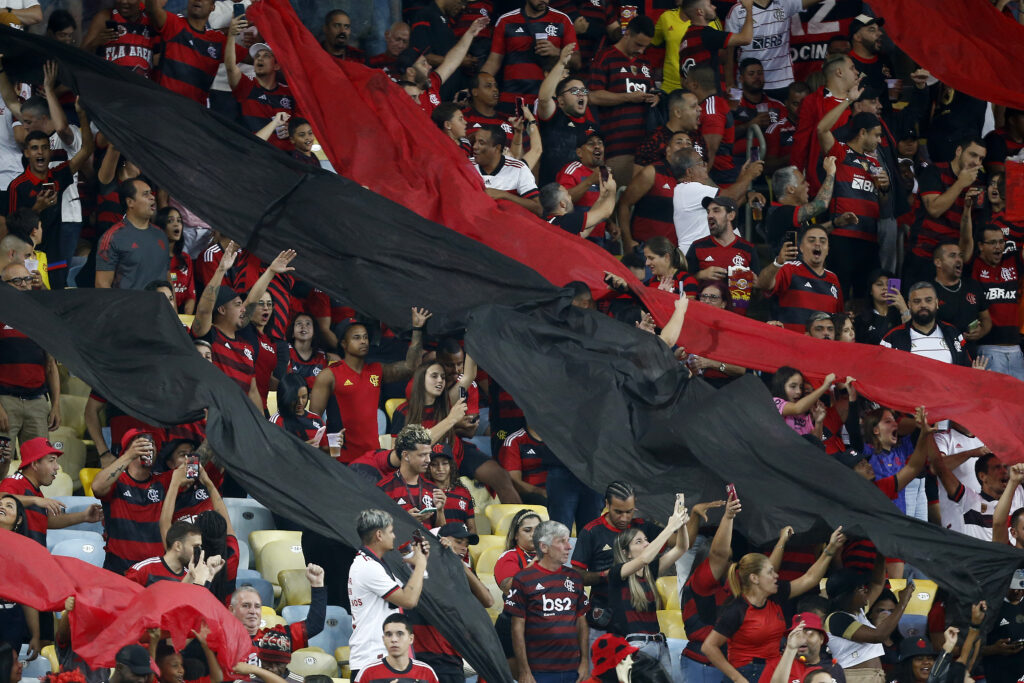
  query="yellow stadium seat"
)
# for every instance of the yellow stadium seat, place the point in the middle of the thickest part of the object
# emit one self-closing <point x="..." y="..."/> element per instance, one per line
<point x="61" y="486"/>
<point x="309" y="662"/>
<point x="86" y="475"/>
<point x="341" y="656"/>
<point x="923" y="597"/>
<point x="72" y="460"/>
<point x="500" y="516"/>
<point x="295" y="588"/>
<point x="276" y="557"/>
<point x="72" y="413"/>
<point x="186" y="319"/>
<point x="261" y="537"/>
<point x="268" y="611"/>
<point x="50" y="652"/>
<point x="391" y="405"/>
<point x="485" y="563"/>
<point x="75" y="387"/>
<point x="386" y="441"/>
<point x="272" y="620"/>
<point x="486" y="543"/>
<point x="271" y="403"/>
<point x="671" y="623"/>
<point x="668" y="589"/>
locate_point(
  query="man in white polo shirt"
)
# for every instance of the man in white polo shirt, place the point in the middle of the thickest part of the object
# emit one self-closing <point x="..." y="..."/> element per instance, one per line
<point x="925" y="335"/>
<point x="374" y="591"/>
<point x="688" y="212"/>
<point x="504" y="177"/>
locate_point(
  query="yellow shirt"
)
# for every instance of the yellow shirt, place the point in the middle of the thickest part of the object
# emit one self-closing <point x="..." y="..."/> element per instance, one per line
<point x="669" y="31"/>
<point x="40" y="256"/>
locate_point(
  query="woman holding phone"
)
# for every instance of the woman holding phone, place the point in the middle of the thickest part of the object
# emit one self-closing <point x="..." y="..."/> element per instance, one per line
<point x="292" y="399"/>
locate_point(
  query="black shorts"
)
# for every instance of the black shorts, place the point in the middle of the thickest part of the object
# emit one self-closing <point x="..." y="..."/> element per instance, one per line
<point x="472" y="458"/>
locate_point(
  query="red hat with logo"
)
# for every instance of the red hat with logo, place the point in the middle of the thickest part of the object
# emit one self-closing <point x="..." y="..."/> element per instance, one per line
<point x="608" y="651"/>
<point x="37" y="449"/>
<point x="811" y="621"/>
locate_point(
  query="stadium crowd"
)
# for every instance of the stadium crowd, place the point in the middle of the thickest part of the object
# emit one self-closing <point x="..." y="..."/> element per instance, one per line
<point x="865" y="203"/>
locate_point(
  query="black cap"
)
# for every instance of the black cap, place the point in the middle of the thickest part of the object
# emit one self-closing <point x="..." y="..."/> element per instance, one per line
<point x="586" y="133"/>
<point x="906" y="134"/>
<point x="725" y="202"/>
<point x="869" y="93"/>
<point x="441" y="450"/>
<point x="844" y="582"/>
<point x="850" y="458"/>
<point x="457" y="530"/>
<point x="136" y="658"/>
<point x="224" y="295"/>
<point x="342" y="328"/>
<point x="405" y="59"/>
<point x="862" y="20"/>
<point x="916" y="647"/>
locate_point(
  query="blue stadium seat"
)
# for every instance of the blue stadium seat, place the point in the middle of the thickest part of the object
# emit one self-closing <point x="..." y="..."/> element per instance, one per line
<point x="262" y="586"/>
<point x="337" y="626"/>
<point x="77" y="504"/>
<point x="55" y="536"/>
<point x="85" y="550"/>
<point x="248" y="515"/>
<point x="244" y="555"/>
<point x="34" y="669"/>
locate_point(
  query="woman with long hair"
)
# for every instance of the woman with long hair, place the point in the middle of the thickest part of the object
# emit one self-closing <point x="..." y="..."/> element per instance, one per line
<point x="181" y="273"/>
<point x="10" y="667"/>
<point x="519" y="554"/>
<point x="668" y="267"/>
<point x="752" y="624"/>
<point x="458" y="506"/>
<point x="19" y="624"/>
<point x="714" y="293"/>
<point x="292" y="415"/>
<point x="795" y="405"/>
<point x="883" y="309"/>
<point x="428" y="403"/>
<point x="304" y="351"/>
<point x="632" y="598"/>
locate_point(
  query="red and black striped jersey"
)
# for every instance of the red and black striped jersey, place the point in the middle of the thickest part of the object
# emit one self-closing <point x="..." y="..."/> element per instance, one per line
<point x="600" y="14"/>
<point x="191" y="58"/>
<point x="928" y="232"/>
<point x="999" y="144"/>
<point x="151" y="570"/>
<point x="574" y="174"/>
<point x="799" y="291"/>
<point x="700" y="45"/>
<point x="623" y="125"/>
<point x="855" y="191"/>
<point x="382" y="672"/>
<point x="182" y="278"/>
<point x="626" y="618"/>
<point x="682" y="283"/>
<point x="593" y="551"/>
<point x="259" y="105"/>
<point x="739" y="258"/>
<point x="550" y="603"/>
<point x="522" y="453"/>
<point x="36" y="521"/>
<point x="108" y="207"/>
<point x="716" y="119"/>
<point x="134" y="45"/>
<point x="471" y="11"/>
<point x="702" y="596"/>
<point x="22" y="365"/>
<point x="419" y="495"/>
<point x="515" y="36"/>
<point x="234" y="356"/>
<point x="307" y="368"/>
<point x="131" y="517"/>
<point x="475" y="119"/>
<point x="652" y="215"/>
<point x="429" y="99"/>
<point x="1012" y="232"/>
<point x="309" y="425"/>
<point x="22" y="192"/>
<point x="458" y="506"/>
<point x="1000" y="286"/>
<point x="745" y="112"/>
<point x="243" y="276"/>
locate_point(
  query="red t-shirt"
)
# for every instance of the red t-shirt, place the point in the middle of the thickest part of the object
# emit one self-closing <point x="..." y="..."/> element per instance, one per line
<point x="357" y="394"/>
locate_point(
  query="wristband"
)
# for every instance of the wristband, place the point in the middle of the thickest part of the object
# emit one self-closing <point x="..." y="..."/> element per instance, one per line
<point x="104" y="453"/>
<point x="777" y="264"/>
<point x="418" y="329"/>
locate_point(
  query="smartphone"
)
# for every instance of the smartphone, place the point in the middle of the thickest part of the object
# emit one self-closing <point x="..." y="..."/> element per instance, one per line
<point x="192" y="467"/>
<point x="604" y="174"/>
<point x="755" y="154"/>
<point x="680" y="501"/>
<point x="111" y="24"/>
<point x="49" y="186"/>
<point x="519" y="107"/>
<point x="195" y="554"/>
<point x="319" y="436"/>
<point x="790" y="237"/>
<point x="237" y="9"/>
<point x="463" y="393"/>
<point x="423" y="511"/>
<point x="894" y="284"/>
<point x="417" y="537"/>
<point x="973" y="325"/>
<point x="730" y="491"/>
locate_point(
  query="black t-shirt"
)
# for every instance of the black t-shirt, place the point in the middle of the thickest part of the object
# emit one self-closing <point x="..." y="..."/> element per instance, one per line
<point x="960" y="305"/>
<point x="870" y="326"/>
<point x="1006" y="668"/>
<point x="575" y="222"/>
<point x="626" y="619"/>
<point x="780" y="219"/>
<point x="559" y="135"/>
<point x="431" y="29"/>
<point x="593" y="551"/>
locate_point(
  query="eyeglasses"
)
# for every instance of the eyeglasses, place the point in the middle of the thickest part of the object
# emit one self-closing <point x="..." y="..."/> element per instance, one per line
<point x="265" y="304"/>
<point x="710" y="298"/>
<point x="994" y="242"/>
<point x="17" y="281"/>
<point x="576" y="91"/>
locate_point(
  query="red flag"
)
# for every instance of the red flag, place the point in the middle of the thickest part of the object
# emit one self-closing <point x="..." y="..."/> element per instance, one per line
<point x="1014" y="191"/>
<point x="968" y="45"/>
<point x="31" y="575"/>
<point x="378" y="136"/>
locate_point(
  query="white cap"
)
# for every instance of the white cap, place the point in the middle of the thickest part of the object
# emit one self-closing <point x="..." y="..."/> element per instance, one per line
<point x="257" y="47"/>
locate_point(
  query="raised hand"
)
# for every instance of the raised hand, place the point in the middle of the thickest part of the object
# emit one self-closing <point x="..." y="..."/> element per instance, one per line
<point x="420" y="316"/>
<point x="280" y="264"/>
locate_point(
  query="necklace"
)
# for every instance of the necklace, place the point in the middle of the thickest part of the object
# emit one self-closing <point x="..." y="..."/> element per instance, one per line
<point x="959" y="284"/>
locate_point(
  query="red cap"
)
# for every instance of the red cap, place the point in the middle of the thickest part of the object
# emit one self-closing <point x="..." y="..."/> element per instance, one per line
<point x="36" y="449"/>
<point x="607" y="651"/>
<point x="811" y="621"/>
<point x="132" y="434"/>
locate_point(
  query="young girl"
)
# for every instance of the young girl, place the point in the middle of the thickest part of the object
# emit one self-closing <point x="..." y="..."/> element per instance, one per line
<point x="795" y="407"/>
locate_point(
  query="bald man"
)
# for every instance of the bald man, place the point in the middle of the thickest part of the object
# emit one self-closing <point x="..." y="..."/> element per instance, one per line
<point x="13" y="249"/>
<point x="396" y="39"/>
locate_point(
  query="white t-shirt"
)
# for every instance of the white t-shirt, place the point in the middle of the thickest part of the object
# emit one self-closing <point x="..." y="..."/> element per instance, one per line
<point x="951" y="442"/>
<point x="10" y="151"/>
<point x="512" y="175"/>
<point x="369" y="583"/>
<point x="847" y="652"/>
<point x="690" y="218"/>
<point x="771" y="38"/>
<point x="930" y="345"/>
<point x="976" y="512"/>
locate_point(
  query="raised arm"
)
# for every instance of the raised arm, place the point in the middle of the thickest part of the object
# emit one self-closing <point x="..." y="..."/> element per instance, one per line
<point x="107" y="172"/>
<point x="98" y="33"/>
<point x="237" y="25"/>
<point x="278" y="266"/>
<point x="674" y="327"/>
<point x="766" y="278"/>
<point x="925" y="443"/>
<point x="403" y="369"/>
<point x="807" y="402"/>
<point x="1001" y="516"/>
<point x="79" y="161"/>
<point x="170" y="500"/>
<point x="675" y="522"/>
<point x="819" y="204"/>
<point x="532" y="157"/>
<point x="207" y="302"/>
<point x="605" y="204"/>
<point x="966" y="243"/>
<point x="106" y="477"/>
<point x="812" y="577"/>
<point x="780" y="547"/>
<point x="157" y="15"/>
<point x="408" y="596"/>
<point x="831" y="118"/>
<point x="8" y="93"/>
<point x="721" y="544"/>
<point x="546" y="95"/>
<point x="886" y="625"/>
<point x="746" y="34"/>
<point x="279" y="119"/>
<point x="454" y="58"/>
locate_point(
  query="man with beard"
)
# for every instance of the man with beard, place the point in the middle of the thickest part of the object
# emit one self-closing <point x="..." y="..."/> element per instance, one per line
<point x="134" y="252"/>
<point x="860" y="180"/>
<point x="778" y="137"/>
<point x="337" y="31"/>
<point x="794" y="210"/>
<point x="582" y="178"/>
<point x="755" y="107"/>
<point x="802" y="653"/>
<point x="622" y="89"/>
<point x="130" y="44"/>
<point x="801" y="287"/>
<point x="997" y="272"/>
<point x="192" y="52"/>
<point x="925" y="335"/>
<point x="650" y="192"/>
<point x="866" y="40"/>
<point x="181" y="541"/>
<point x="962" y="302"/>
<point x="260" y="97"/>
<point x="413" y="72"/>
<point x="724" y="255"/>
<point x="220" y="314"/>
<point x="683" y="117"/>
<point x="527" y="43"/>
<point x="688" y="213"/>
